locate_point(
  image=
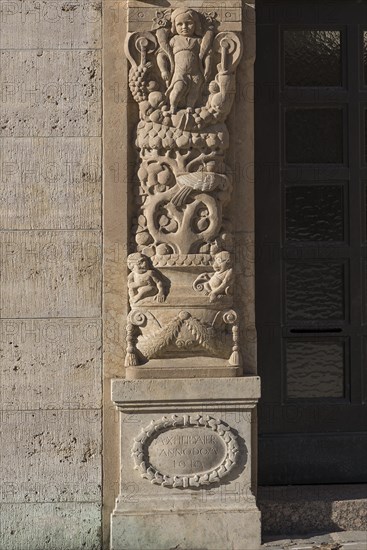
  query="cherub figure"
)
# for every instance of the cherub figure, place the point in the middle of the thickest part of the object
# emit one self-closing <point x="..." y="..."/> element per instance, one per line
<point x="217" y="284"/>
<point x="183" y="61"/>
<point x="143" y="281"/>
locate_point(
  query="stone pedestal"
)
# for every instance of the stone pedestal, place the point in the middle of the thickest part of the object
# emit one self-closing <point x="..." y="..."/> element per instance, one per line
<point x="186" y="464"/>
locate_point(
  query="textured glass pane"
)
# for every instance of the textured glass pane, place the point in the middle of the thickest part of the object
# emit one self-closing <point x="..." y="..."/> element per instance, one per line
<point x="314" y="135"/>
<point x="314" y="291"/>
<point x="315" y="369"/>
<point x="312" y="58"/>
<point x="365" y="55"/>
<point x="315" y="213"/>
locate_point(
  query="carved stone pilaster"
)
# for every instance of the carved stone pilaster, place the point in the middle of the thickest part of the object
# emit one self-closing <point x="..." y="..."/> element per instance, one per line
<point x="182" y="76"/>
<point x="186" y="423"/>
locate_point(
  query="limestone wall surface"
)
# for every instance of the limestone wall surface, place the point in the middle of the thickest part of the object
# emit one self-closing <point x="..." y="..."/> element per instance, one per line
<point x="50" y="274"/>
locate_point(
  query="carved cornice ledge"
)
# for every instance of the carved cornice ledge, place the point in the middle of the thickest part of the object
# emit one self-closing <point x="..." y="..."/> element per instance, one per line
<point x="186" y="395"/>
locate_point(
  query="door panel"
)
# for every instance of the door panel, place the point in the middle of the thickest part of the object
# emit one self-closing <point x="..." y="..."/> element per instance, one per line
<point x="311" y="282"/>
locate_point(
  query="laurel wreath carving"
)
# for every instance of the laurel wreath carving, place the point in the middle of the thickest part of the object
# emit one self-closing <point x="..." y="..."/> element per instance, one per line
<point x="147" y="471"/>
<point x="202" y="334"/>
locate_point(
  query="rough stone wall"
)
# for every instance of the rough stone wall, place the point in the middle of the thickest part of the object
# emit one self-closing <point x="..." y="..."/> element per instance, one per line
<point x="50" y="274"/>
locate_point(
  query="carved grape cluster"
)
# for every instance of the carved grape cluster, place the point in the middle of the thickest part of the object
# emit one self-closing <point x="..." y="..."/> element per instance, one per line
<point x="137" y="83"/>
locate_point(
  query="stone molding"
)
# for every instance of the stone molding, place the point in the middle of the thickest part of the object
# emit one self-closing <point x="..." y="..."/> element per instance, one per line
<point x="172" y="395"/>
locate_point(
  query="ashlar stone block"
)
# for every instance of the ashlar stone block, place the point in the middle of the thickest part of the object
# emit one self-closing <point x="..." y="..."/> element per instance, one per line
<point x="50" y="183"/>
<point x="50" y="364"/>
<point x="55" y="456"/>
<point x="50" y="93"/>
<point x="50" y="274"/>
<point x="47" y="24"/>
<point x="63" y="526"/>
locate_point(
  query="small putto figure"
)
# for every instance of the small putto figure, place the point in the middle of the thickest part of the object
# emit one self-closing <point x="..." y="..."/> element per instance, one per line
<point x="143" y="281"/>
<point x="183" y="60"/>
<point x="218" y="284"/>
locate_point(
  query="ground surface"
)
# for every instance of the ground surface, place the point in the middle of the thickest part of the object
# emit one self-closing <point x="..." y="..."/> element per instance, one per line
<point x="342" y="540"/>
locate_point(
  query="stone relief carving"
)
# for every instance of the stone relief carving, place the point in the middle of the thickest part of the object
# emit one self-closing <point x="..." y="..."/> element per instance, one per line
<point x="182" y="77"/>
<point x="143" y="281"/>
<point x="183" y="332"/>
<point x="220" y="451"/>
<point x="218" y="284"/>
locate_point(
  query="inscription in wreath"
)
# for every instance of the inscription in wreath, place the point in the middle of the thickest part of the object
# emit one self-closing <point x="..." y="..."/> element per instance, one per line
<point x="185" y="451"/>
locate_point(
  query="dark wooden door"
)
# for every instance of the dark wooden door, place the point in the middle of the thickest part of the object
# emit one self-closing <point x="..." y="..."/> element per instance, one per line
<point x="311" y="175"/>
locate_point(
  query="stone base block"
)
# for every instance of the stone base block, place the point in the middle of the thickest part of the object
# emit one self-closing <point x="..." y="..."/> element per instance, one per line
<point x="191" y="530"/>
<point x="186" y="465"/>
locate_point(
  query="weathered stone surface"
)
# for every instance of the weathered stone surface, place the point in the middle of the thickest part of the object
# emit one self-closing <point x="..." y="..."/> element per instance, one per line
<point x="348" y="537"/>
<point x="50" y="183"/>
<point x="64" y="526"/>
<point x="50" y="364"/>
<point x="55" y="456"/>
<point x="242" y="146"/>
<point x="50" y="274"/>
<point x="117" y="164"/>
<point x="50" y="93"/>
<point x="211" y="530"/>
<point x="50" y="258"/>
<point x="245" y="296"/>
<point x="48" y="24"/>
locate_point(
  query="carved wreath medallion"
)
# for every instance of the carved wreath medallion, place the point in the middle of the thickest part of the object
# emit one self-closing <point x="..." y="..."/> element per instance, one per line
<point x="209" y="437"/>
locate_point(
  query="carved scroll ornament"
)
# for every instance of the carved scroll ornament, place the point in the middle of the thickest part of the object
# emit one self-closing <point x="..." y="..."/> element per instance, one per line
<point x="182" y="77"/>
